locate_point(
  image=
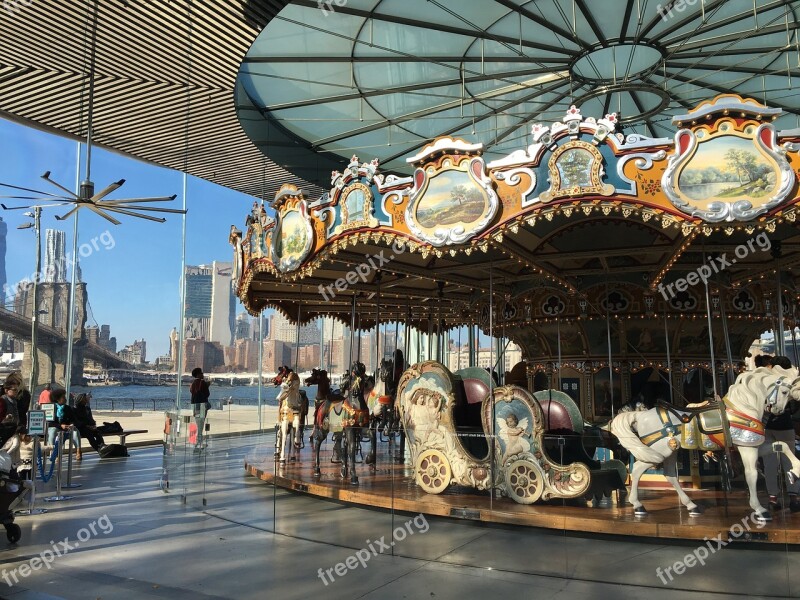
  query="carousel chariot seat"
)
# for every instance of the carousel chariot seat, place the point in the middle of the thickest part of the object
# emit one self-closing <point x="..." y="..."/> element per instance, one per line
<point x="448" y="449"/>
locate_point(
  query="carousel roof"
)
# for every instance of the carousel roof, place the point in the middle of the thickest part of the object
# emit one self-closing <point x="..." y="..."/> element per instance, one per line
<point x="383" y="77"/>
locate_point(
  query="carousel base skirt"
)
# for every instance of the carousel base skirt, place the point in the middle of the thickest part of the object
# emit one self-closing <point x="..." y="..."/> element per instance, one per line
<point x="392" y="486"/>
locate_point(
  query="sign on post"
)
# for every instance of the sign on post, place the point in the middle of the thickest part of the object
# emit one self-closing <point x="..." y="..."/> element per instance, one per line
<point x="37" y="422"/>
<point x="49" y="410"/>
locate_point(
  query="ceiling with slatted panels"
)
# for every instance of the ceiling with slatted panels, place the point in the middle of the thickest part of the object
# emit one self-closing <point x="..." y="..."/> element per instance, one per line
<point x="149" y="55"/>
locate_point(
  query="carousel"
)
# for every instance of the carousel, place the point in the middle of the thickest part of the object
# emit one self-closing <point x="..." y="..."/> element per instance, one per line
<point x="633" y="272"/>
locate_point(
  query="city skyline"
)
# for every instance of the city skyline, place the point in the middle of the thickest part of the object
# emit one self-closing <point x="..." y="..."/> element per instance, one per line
<point x="135" y="285"/>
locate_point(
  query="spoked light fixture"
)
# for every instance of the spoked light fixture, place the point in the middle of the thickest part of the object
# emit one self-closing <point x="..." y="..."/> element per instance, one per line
<point x="87" y="198"/>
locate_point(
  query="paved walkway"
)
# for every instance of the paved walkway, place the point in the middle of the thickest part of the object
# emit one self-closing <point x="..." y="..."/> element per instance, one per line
<point x="227" y="535"/>
<point x="230" y="419"/>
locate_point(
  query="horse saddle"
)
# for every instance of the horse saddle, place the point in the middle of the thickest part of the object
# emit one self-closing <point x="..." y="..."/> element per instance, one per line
<point x="704" y="427"/>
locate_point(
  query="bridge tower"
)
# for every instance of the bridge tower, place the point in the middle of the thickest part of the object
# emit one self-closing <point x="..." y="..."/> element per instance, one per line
<point x="53" y="309"/>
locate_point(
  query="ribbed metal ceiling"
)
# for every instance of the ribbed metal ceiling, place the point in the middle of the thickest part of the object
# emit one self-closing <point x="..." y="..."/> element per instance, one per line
<point x="149" y="54"/>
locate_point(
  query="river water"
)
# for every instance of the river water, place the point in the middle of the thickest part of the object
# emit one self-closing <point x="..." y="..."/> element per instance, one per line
<point x="146" y="397"/>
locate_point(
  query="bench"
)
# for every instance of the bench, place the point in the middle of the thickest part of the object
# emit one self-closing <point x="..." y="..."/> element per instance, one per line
<point x="123" y="435"/>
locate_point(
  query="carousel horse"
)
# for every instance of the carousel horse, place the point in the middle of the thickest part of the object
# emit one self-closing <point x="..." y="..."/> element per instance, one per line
<point x="347" y="415"/>
<point x="384" y="416"/>
<point x="651" y="435"/>
<point x="325" y="393"/>
<point x="293" y="408"/>
<point x="283" y="373"/>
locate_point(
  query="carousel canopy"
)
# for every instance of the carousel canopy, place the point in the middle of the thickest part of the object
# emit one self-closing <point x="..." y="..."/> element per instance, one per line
<point x="381" y="78"/>
<point x="533" y="164"/>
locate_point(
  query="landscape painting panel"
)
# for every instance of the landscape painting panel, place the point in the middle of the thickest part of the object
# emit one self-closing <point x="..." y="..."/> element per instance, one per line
<point x="452" y="197"/>
<point x="294" y="235"/>
<point x="727" y="167"/>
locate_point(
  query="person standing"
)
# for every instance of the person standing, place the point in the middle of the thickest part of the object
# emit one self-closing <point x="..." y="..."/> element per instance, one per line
<point x="44" y="396"/>
<point x="779" y="428"/>
<point x="9" y="412"/>
<point x="200" y="393"/>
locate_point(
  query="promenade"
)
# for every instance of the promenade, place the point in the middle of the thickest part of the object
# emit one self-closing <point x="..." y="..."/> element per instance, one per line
<point x="232" y="419"/>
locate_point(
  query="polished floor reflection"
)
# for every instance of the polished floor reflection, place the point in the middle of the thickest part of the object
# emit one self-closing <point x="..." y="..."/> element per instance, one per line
<point x="220" y="533"/>
<point x="389" y="485"/>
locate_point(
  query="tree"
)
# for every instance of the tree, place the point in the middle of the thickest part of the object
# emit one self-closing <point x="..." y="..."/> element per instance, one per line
<point x="459" y="194"/>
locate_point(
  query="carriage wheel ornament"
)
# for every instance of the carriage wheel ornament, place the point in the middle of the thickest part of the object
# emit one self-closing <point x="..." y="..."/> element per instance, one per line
<point x="433" y="471"/>
<point x="524" y="483"/>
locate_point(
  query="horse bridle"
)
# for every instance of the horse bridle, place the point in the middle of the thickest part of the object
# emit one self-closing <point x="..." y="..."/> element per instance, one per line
<point x="772" y="395"/>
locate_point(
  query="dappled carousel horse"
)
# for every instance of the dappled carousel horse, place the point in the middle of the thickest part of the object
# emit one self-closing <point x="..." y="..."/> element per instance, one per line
<point x="347" y="415"/>
<point x="652" y="436"/>
<point x="292" y="412"/>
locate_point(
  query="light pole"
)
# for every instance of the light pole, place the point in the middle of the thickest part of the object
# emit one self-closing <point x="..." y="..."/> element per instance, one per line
<point x="36" y="214"/>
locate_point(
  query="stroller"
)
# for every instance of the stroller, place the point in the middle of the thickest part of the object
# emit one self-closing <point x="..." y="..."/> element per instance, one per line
<point x="12" y="492"/>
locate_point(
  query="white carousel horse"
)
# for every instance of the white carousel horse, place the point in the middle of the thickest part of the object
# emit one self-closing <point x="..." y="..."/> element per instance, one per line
<point x="293" y="406"/>
<point x="652" y="436"/>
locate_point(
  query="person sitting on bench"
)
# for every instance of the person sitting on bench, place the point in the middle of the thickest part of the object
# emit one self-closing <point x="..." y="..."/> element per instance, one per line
<point x="85" y="423"/>
<point x="64" y="419"/>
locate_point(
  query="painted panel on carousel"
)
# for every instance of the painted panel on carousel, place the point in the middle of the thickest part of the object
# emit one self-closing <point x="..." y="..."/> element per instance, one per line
<point x="730" y="168"/>
<point x="527" y="472"/>
<point x="293" y="237"/>
<point x="259" y="226"/>
<point x="453" y="199"/>
<point x="583" y="159"/>
<point x="350" y="204"/>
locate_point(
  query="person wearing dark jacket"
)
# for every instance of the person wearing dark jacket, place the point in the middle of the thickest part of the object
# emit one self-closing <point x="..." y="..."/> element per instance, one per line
<point x="200" y="404"/>
<point x="86" y="424"/>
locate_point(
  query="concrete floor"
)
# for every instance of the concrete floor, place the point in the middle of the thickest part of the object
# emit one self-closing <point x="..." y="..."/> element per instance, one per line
<point x="225" y="535"/>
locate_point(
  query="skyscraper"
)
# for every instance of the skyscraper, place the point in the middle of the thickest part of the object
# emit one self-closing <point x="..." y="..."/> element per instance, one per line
<point x="198" y="302"/>
<point x="223" y="304"/>
<point x="242" y="327"/>
<point x="283" y="330"/>
<point x="210" y="304"/>
<point x="55" y="263"/>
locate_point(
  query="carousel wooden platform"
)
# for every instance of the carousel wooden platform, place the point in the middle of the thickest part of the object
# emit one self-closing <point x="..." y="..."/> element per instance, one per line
<point x="392" y="486"/>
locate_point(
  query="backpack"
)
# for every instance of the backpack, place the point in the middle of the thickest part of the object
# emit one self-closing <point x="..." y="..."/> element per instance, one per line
<point x="113" y="451"/>
<point x="109" y="428"/>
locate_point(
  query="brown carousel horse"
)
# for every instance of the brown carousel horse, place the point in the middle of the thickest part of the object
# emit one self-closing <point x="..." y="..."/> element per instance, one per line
<point x="348" y="415"/>
<point x="325" y="392"/>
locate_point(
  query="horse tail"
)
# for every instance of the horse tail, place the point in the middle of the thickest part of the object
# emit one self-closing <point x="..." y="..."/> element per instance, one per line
<point x="622" y="427"/>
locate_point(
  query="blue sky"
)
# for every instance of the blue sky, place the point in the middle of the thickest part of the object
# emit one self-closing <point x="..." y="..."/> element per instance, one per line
<point x="134" y="286"/>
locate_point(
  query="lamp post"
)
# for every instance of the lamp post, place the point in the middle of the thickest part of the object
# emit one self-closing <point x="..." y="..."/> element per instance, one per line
<point x="36" y="214"/>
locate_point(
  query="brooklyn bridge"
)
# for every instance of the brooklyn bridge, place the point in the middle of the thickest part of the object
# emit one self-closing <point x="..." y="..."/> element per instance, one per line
<point x="52" y="331"/>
